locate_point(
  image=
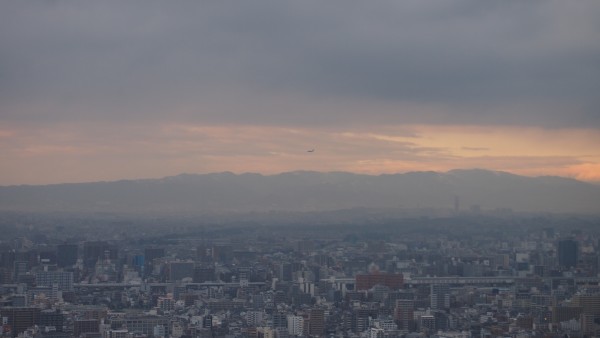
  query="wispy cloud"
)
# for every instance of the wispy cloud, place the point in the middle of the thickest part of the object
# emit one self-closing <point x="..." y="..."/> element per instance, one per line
<point x="475" y="148"/>
<point x="108" y="152"/>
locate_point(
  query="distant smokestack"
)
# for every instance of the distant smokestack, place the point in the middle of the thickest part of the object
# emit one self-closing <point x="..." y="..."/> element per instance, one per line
<point x="456" y="204"/>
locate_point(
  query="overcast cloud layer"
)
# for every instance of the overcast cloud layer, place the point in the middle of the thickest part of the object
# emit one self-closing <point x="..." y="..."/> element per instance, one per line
<point x="303" y="62"/>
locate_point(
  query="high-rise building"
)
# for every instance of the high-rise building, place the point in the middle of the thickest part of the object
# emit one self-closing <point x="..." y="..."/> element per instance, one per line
<point x="180" y="270"/>
<point x="204" y="274"/>
<point x="137" y="262"/>
<point x="150" y="254"/>
<point x="20" y="269"/>
<point x="285" y="272"/>
<point x="7" y="258"/>
<point x="405" y="313"/>
<point x="568" y="252"/>
<point x="48" y="258"/>
<point x="316" y="318"/>
<point x="280" y="320"/>
<point x="204" y="252"/>
<point x="222" y="252"/>
<point x="440" y="296"/>
<point x="98" y="250"/>
<point x="295" y="325"/>
<point x="66" y="255"/>
<point x="442" y="321"/>
<point x="360" y="320"/>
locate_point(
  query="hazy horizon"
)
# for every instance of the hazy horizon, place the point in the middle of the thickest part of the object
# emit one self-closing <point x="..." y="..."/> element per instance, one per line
<point x="103" y="91"/>
<point x="309" y="191"/>
<point x="242" y="173"/>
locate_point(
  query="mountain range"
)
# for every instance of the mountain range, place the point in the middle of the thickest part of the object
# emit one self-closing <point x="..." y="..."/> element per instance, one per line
<point x="304" y="191"/>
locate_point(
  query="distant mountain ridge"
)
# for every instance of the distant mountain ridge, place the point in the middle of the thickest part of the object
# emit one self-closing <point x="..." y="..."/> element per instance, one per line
<point x="309" y="191"/>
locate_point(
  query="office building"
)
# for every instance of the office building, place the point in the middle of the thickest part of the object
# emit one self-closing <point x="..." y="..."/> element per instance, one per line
<point x="222" y="252"/>
<point x="404" y="313"/>
<point x="95" y="251"/>
<point x="180" y="270"/>
<point x="204" y="274"/>
<point x="21" y="268"/>
<point x="64" y="280"/>
<point x="66" y="255"/>
<point x="316" y="318"/>
<point x="295" y="325"/>
<point x="568" y="253"/>
<point x="280" y="320"/>
<point x="150" y="254"/>
<point x="440" y="296"/>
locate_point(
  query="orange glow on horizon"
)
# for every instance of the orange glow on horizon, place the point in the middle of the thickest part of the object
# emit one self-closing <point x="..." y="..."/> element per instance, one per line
<point x="77" y="153"/>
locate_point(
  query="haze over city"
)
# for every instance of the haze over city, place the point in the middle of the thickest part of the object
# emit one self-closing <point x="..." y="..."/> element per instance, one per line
<point x="299" y="169"/>
<point x="93" y="91"/>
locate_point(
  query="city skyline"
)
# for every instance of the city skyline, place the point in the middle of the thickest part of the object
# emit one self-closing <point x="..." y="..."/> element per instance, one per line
<point x="109" y="91"/>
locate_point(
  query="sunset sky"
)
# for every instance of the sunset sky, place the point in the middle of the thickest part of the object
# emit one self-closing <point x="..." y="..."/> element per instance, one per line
<point x="110" y="90"/>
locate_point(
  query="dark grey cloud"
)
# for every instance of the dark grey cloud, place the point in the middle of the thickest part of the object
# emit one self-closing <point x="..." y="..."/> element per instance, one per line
<point x="514" y="62"/>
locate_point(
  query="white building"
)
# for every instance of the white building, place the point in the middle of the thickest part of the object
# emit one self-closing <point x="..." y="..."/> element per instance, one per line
<point x="295" y="325"/>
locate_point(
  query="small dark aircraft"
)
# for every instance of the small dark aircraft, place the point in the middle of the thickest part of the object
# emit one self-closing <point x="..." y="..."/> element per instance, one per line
<point x="310" y="151"/>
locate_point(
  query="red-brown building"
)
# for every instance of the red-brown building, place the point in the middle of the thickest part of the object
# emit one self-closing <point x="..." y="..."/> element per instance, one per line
<point x="392" y="281"/>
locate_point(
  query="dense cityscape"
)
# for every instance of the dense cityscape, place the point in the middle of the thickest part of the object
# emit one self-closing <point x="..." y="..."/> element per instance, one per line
<point x="463" y="275"/>
<point x="300" y="169"/>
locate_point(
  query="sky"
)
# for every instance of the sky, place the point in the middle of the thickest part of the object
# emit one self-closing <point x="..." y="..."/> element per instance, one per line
<point x="109" y="90"/>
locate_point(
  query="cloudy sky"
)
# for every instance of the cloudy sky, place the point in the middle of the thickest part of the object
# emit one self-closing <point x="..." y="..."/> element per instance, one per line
<point x="106" y="90"/>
